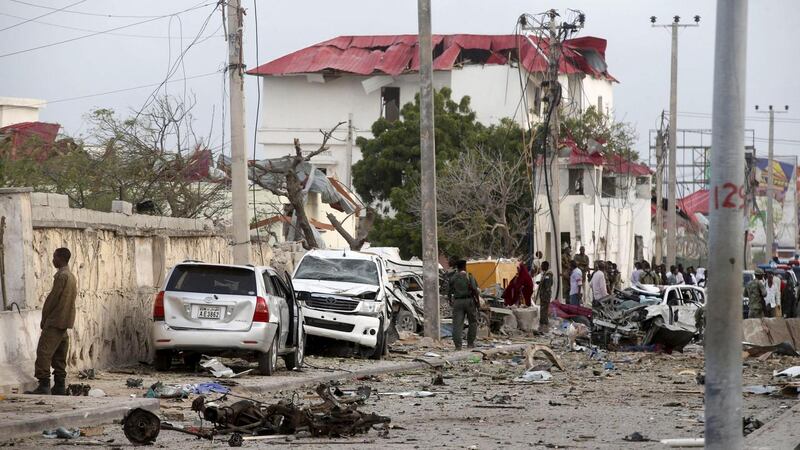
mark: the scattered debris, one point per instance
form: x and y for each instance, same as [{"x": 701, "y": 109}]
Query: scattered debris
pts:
[
  {"x": 160, "y": 390},
  {"x": 207, "y": 388},
  {"x": 432, "y": 355},
  {"x": 132, "y": 383},
  {"x": 413, "y": 394},
  {"x": 499, "y": 399},
  {"x": 438, "y": 377},
  {"x": 79, "y": 389},
  {"x": 220, "y": 370},
  {"x": 750, "y": 424},
  {"x": 636, "y": 437},
  {"x": 530, "y": 355},
  {"x": 684, "y": 442},
  {"x": 62, "y": 433},
  {"x": 87, "y": 374},
  {"x": 754, "y": 350},
  {"x": 791, "y": 372},
  {"x": 95, "y": 392},
  {"x": 766, "y": 390},
  {"x": 535, "y": 376}
]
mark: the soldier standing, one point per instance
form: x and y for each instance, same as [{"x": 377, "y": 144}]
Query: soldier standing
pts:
[
  {"x": 756, "y": 291},
  {"x": 544, "y": 293},
  {"x": 58, "y": 315},
  {"x": 648, "y": 276},
  {"x": 565, "y": 270},
  {"x": 463, "y": 294}
]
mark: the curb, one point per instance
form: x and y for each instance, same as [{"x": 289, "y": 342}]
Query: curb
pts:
[
  {"x": 780, "y": 433},
  {"x": 301, "y": 382},
  {"x": 81, "y": 417}
]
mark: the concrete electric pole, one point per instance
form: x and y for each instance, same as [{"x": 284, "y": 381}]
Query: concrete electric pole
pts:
[
  {"x": 240, "y": 216},
  {"x": 430, "y": 243},
  {"x": 659, "y": 244},
  {"x": 769, "y": 232},
  {"x": 672, "y": 218},
  {"x": 723, "y": 336}
]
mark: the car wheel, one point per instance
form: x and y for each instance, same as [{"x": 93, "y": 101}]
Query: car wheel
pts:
[
  {"x": 191, "y": 360},
  {"x": 380, "y": 346},
  {"x": 655, "y": 324},
  {"x": 295, "y": 360},
  {"x": 405, "y": 321},
  {"x": 163, "y": 360},
  {"x": 268, "y": 361}
]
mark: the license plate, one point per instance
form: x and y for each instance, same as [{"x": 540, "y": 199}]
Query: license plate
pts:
[{"x": 209, "y": 312}]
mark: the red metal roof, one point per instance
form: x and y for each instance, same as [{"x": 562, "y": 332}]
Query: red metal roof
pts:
[
  {"x": 396, "y": 54},
  {"x": 38, "y": 137},
  {"x": 610, "y": 163}
]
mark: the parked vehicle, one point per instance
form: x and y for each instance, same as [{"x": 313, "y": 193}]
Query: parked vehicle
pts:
[
  {"x": 344, "y": 295},
  {"x": 406, "y": 301},
  {"x": 221, "y": 309}
]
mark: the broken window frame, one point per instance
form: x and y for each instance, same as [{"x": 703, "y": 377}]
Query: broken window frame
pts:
[{"x": 392, "y": 115}]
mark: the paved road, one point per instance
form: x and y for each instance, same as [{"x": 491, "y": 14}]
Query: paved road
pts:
[{"x": 585, "y": 406}]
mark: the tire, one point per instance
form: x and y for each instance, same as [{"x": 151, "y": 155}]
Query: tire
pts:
[
  {"x": 295, "y": 360},
  {"x": 380, "y": 347},
  {"x": 163, "y": 360},
  {"x": 652, "y": 330},
  {"x": 405, "y": 321},
  {"x": 268, "y": 361}
]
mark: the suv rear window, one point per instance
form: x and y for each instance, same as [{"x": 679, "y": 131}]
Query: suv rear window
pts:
[{"x": 213, "y": 280}]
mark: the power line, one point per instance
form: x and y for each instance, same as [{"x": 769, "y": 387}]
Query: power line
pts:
[
  {"x": 39, "y": 17},
  {"x": 52, "y": 44},
  {"x": 89, "y": 30},
  {"x": 83, "y": 13}
]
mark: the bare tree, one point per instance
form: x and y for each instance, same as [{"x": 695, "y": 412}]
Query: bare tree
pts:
[
  {"x": 291, "y": 186},
  {"x": 479, "y": 197}
]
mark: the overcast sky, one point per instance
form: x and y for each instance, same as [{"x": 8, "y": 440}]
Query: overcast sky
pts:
[{"x": 638, "y": 55}]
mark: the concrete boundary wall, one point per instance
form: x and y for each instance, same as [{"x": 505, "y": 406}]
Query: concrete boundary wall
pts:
[{"x": 120, "y": 261}]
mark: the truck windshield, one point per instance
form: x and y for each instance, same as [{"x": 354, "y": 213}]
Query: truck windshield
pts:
[{"x": 361, "y": 271}]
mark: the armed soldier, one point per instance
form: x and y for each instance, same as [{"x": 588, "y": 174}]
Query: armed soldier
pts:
[{"x": 756, "y": 292}]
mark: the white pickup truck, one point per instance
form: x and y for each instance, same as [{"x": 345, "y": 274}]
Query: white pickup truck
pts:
[{"x": 344, "y": 296}]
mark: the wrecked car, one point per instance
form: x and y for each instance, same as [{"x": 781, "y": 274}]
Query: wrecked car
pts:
[
  {"x": 344, "y": 296},
  {"x": 222, "y": 309},
  {"x": 649, "y": 315},
  {"x": 407, "y": 301}
]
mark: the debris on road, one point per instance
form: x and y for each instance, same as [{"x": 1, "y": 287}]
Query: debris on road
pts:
[
  {"x": 132, "y": 383},
  {"x": 636, "y": 437},
  {"x": 220, "y": 370},
  {"x": 160, "y": 390},
  {"x": 413, "y": 394},
  {"x": 336, "y": 416},
  {"x": 62, "y": 433},
  {"x": 755, "y": 351},
  {"x": 791, "y": 372},
  {"x": 79, "y": 389},
  {"x": 535, "y": 376},
  {"x": 531, "y": 352},
  {"x": 87, "y": 374},
  {"x": 96, "y": 393}
]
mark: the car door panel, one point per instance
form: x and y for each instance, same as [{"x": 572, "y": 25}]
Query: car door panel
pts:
[{"x": 283, "y": 308}]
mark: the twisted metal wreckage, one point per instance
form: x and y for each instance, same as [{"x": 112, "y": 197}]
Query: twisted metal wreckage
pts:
[{"x": 247, "y": 419}]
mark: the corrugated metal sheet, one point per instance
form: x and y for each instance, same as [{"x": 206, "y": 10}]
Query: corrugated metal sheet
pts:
[{"x": 396, "y": 54}]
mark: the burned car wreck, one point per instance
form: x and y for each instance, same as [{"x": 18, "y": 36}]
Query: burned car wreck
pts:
[{"x": 646, "y": 317}]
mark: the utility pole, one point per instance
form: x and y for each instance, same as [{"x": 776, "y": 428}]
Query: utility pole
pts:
[
  {"x": 430, "y": 243},
  {"x": 723, "y": 337},
  {"x": 672, "y": 218},
  {"x": 769, "y": 250},
  {"x": 659, "y": 250},
  {"x": 553, "y": 103},
  {"x": 556, "y": 31},
  {"x": 349, "y": 150},
  {"x": 240, "y": 218}
]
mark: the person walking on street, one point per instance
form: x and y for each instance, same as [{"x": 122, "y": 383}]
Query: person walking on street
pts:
[
  {"x": 598, "y": 282},
  {"x": 58, "y": 315},
  {"x": 464, "y": 297},
  {"x": 756, "y": 292},
  {"x": 544, "y": 293},
  {"x": 575, "y": 283}
]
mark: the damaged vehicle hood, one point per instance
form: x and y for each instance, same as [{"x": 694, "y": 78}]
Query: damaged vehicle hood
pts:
[{"x": 333, "y": 287}]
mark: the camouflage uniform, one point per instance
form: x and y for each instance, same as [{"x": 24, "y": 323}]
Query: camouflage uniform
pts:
[{"x": 756, "y": 291}]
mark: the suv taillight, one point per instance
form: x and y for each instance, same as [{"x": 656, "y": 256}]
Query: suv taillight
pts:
[
  {"x": 158, "y": 306},
  {"x": 261, "y": 314}
]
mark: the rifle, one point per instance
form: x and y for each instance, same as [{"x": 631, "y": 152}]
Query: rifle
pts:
[{"x": 476, "y": 297}]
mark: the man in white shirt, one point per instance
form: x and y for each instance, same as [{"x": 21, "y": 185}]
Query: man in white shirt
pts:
[
  {"x": 598, "y": 282},
  {"x": 773, "y": 298},
  {"x": 575, "y": 282}
]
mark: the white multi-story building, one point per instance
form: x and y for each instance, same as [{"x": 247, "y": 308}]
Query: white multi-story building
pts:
[
  {"x": 15, "y": 110},
  {"x": 362, "y": 78}
]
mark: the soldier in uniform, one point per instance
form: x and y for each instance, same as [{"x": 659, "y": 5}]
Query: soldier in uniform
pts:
[
  {"x": 544, "y": 293},
  {"x": 582, "y": 259},
  {"x": 648, "y": 276},
  {"x": 463, "y": 294},
  {"x": 565, "y": 271},
  {"x": 756, "y": 292}
]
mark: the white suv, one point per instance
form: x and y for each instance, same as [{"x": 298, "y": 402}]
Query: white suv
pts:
[
  {"x": 222, "y": 309},
  {"x": 344, "y": 297}
]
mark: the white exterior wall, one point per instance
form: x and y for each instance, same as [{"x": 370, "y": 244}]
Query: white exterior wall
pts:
[
  {"x": 494, "y": 92},
  {"x": 605, "y": 226},
  {"x": 18, "y": 110}
]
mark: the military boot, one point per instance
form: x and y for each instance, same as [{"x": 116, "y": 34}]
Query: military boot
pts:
[
  {"x": 42, "y": 389},
  {"x": 59, "y": 386}
]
